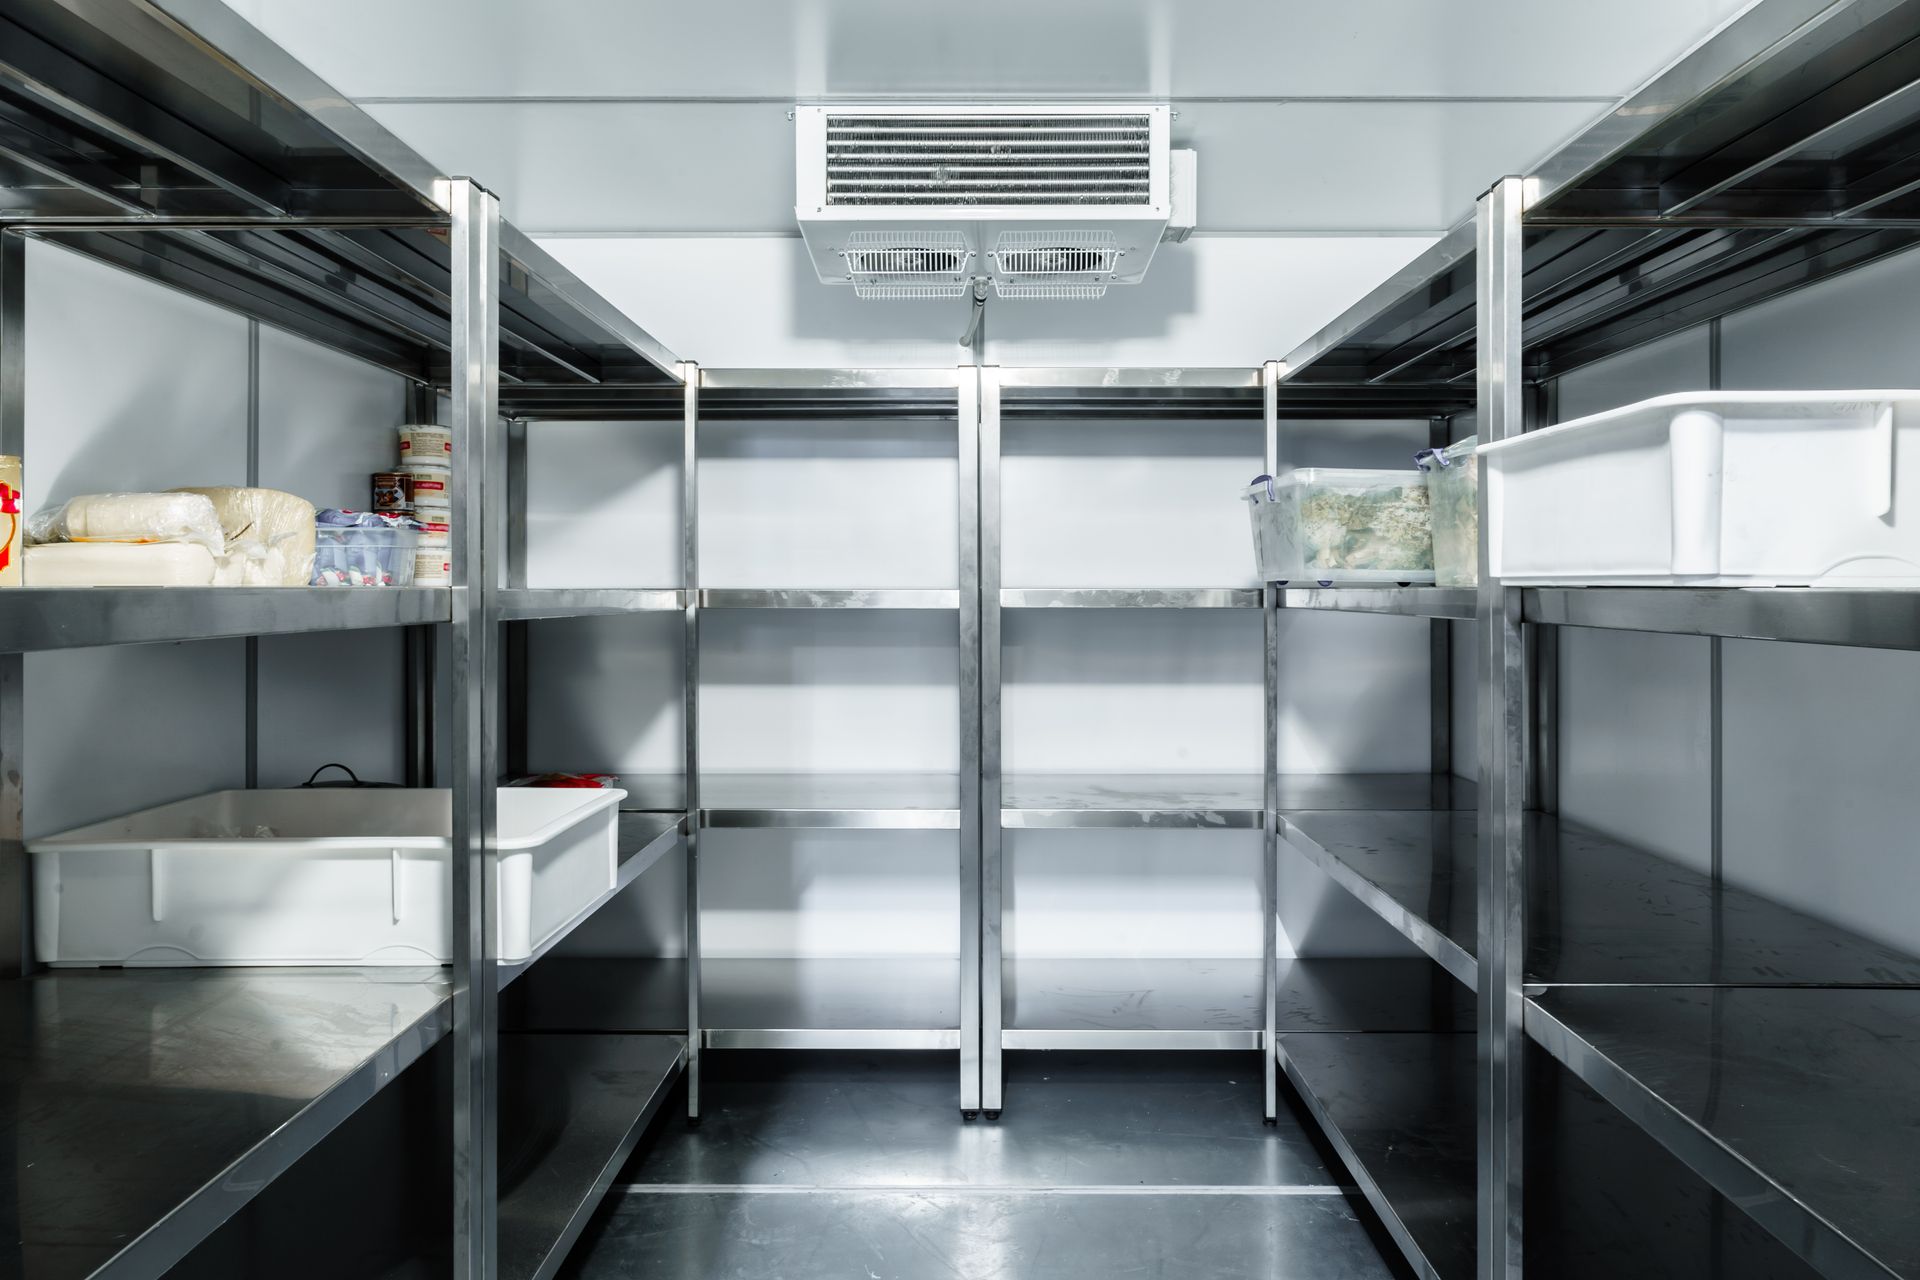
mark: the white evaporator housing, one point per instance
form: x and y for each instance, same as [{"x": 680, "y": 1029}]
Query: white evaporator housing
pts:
[{"x": 1055, "y": 201}]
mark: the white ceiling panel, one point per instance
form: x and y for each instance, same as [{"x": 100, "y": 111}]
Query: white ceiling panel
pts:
[
  {"x": 990, "y": 48},
  {"x": 703, "y": 168}
]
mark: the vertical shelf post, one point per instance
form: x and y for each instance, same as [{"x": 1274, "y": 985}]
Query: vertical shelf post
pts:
[
  {"x": 690, "y": 577},
  {"x": 1503, "y": 763},
  {"x": 992, "y": 860},
  {"x": 972, "y": 816},
  {"x": 1270, "y": 771},
  {"x": 1439, "y": 659},
  {"x": 474, "y": 241},
  {"x": 16, "y": 931}
]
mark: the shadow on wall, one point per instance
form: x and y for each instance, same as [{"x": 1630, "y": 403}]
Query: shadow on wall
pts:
[{"x": 1144, "y": 310}]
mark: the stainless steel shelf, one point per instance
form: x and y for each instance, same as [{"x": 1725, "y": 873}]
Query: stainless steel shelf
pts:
[
  {"x": 1199, "y": 800},
  {"x": 828, "y": 598},
  {"x": 1865, "y": 619},
  {"x": 892, "y": 801},
  {"x": 1455, "y": 603},
  {"x": 1600, "y": 911},
  {"x": 522, "y": 604},
  {"x": 1797, "y": 1105},
  {"x": 37, "y": 618},
  {"x": 1759, "y": 163},
  {"x": 644, "y": 838},
  {"x": 1398, "y": 1108},
  {"x": 142, "y": 1108},
  {"x": 1413, "y": 869},
  {"x": 881, "y": 801},
  {"x": 1208, "y": 1004},
  {"x": 1130, "y": 597},
  {"x": 1132, "y": 1004},
  {"x": 751, "y": 1004},
  {"x": 605, "y": 1089}
]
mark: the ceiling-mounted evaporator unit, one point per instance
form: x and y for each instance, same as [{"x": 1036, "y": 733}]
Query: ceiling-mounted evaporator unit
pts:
[{"x": 1056, "y": 201}]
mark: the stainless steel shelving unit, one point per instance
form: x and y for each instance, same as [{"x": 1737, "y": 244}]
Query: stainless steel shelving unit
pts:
[
  {"x": 170, "y": 139},
  {"x": 1749, "y": 1041}
]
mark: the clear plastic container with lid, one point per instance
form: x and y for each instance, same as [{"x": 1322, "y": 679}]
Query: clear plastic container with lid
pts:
[
  {"x": 1453, "y": 491},
  {"x": 1333, "y": 525}
]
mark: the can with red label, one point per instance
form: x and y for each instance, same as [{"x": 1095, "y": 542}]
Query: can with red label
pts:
[
  {"x": 13, "y": 518},
  {"x": 433, "y": 555},
  {"x": 393, "y": 492}
]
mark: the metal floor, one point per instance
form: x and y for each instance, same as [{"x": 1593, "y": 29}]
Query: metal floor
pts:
[{"x": 1137, "y": 1165}]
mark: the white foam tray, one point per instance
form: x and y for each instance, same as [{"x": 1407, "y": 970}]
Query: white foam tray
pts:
[{"x": 347, "y": 876}]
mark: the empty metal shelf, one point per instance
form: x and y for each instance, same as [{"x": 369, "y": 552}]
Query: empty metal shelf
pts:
[
  {"x": 829, "y": 598},
  {"x": 1201, "y": 800},
  {"x": 1413, "y": 602},
  {"x": 1158, "y": 1003},
  {"x": 590, "y": 1097},
  {"x": 1867, "y": 619},
  {"x": 881, "y": 801},
  {"x": 881, "y": 1003},
  {"x": 1130, "y": 598},
  {"x": 1600, "y": 911},
  {"x": 1398, "y": 1107},
  {"x": 143, "y": 1107},
  {"x": 1798, "y": 1105},
  {"x": 522, "y": 604}
]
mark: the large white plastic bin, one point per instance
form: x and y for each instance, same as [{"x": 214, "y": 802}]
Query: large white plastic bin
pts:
[
  {"x": 311, "y": 876},
  {"x": 1729, "y": 488},
  {"x": 1341, "y": 525}
]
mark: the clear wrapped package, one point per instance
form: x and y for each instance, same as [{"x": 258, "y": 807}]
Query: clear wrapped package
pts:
[
  {"x": 1453, "y": 491},
  {"x": 269, "y": 537},
  {"x": 131, "y": 517},
  {"x": 1326, "y": 525}
]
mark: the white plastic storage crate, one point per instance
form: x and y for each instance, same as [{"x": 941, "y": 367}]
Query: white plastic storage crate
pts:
[
  {"x": 357, "y": 876},
  {"x": 1329, "y": 525},
  {"x": 1730, "y": 488}
]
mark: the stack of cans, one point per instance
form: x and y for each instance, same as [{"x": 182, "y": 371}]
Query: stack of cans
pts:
[{"x": 422, "y": 487}]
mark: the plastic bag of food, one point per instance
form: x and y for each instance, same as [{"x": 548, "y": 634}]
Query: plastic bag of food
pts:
[
  {"x": 269, "y": 535},
  {"x": 131, "y": 517}
]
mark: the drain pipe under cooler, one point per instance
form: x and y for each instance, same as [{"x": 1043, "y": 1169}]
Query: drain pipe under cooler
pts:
[{"x": 976, "y": 319}]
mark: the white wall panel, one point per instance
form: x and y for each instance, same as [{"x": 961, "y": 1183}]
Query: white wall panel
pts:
[
  {"x": 326, "y": 423},
  {"x": 1127, "y": 504},
  {"x": 858, "y": 504},
  {"x": 129, "y": 386},
  {"x": 829, "y": 691},
  {"x": 603, "y": 504},
  {"x": 605, "y": 695},
  {"x": 755, "y": 303}
]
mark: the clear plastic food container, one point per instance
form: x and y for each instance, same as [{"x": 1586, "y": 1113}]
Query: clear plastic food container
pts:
[
  {"x": 1328, "y": 526},
  {"x": 363, "y": 549},
  {"x": 1453, "y": 492}
]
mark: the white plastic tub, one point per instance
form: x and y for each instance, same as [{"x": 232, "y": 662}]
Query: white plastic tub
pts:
[
  {"x": 1731, "y": 488},
  {"x": 321, "y": 876},
  {"x": 1328, "y": 525}
]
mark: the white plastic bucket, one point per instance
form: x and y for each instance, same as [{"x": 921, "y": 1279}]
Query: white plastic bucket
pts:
[{"x": 426, "y": 442}]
